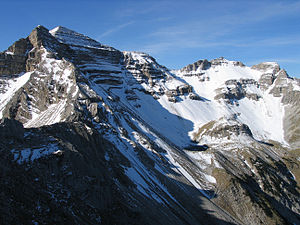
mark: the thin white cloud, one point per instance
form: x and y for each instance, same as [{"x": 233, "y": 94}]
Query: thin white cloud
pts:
[
  {"x": 277, "y": 60},
  {"x": 190, "y": 42},
  {"x": 288, "y": 60},
  {"x": 285, "y": 63},
  {"x": 114, "y": 29},
  {"x": 208, "y": 31}
]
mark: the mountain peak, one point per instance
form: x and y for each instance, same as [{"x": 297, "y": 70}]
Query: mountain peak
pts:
[
  {"x": 73, "y": 38},
  {"x": 61, "y": 29},
  {"x": 267, "y": 67},
  {"x": 40, "y": 37},
  {"x": 40, "y": 27}
]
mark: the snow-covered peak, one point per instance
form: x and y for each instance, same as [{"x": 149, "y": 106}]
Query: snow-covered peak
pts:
[
  {"x": 63, "y": 30},
  {"x": 70, "y": 37},
  {"x": 139, "y": 63},
  {"x": 141, "y": 57},
  {"x": 215, "y": 74},
  {"x": 220, "y": 61},
  {"x": 204, "y": 64}
]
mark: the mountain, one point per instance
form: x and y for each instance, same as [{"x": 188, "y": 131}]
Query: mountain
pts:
[{"x": 93, "y": 135}]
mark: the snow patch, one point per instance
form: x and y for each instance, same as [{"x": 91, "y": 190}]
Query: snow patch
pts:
[
  {"x": 50, "y": 116},
  {"x": 31, "y": 154},
  {"x": 13, "y": 85}
]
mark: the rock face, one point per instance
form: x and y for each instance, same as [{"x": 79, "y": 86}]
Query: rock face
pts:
[
  {"x": 13, "y": 61},
  {"x": 201, "y": 65},
  {"x": 236, "y": 90},
  {"x": 93, "y": 135}
]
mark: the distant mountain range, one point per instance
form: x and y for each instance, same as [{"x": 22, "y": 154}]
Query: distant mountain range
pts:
[{"x": 94, "y": 135}]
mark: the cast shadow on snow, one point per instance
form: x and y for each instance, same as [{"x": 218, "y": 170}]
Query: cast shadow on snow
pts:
[
  {"x": 195, "y": 209},
  {"x": 170, "y": 125},
  {"x": 173, "y": 129},
  {"x": 195, "y": 205},
  {"x": 201, "y": 98}
]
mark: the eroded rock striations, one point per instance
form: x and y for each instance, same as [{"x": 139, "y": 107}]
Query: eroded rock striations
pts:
[{"x": 93, "y": 135}]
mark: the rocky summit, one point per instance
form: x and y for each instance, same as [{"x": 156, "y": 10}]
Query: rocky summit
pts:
[{"x": 93, "y": 135}]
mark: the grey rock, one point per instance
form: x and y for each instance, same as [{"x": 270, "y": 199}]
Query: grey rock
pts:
[
  {"x": 13, "y": 60},
  {"x": 266, "y": 66},
  {"x": 200, "y": 64},
  {"x": 236, "y": 90}
]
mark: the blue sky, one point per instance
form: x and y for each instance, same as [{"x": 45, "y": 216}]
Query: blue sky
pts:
[{"x": 176, "y": 33}]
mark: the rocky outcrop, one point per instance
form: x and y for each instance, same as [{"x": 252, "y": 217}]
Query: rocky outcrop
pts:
[
  {"x": 143, "y": 67},
  {"x": 199, "y": 65},
  {"x": 44, "y": 93},
  {"x": 281, "y": 84},
  {"x": 44, "y": 43},
  {"x": 235, "y": 90},
  {"x": 13, "y": 60},
  {"x": 267, "y": 66},
  {"x": 291, "y": 124},
  {"x": 222, "y": 129},
  {"x": 266, "y": 80},
  {"x": 11, "y": 64},
  {"x": 270, "y": 71}
]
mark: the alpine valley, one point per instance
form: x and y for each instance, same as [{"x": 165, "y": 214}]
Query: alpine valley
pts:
[{"x": 93, "y": 135}]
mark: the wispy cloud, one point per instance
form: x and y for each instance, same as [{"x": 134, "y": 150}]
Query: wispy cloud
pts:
[
  {"x": 271, "y": 59},
  {"x": 213, "y": 30},
  {"x": 290, "y": 64},
  {"x": 114, "y": 29},
  {"x": 287, "y": 60}
]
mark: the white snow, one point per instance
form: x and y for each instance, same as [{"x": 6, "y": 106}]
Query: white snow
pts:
[
  {"x": 293, "y": 176},
  {"x": 217, "y": 76},
  {"x": 58, "y": 152},
  {"x": 50, "y": 116},
  {"x": 9, "y": 53},
  {"x": 250, "y": 167},
  {"x": 139, "y": 56},
  {"x": 201, "y": 156},
  {"x": 296, "y": 85},
  {"x": 13, "y": 86},
  {"x": 210, "y": 178},
  {"x": 264, "y": 117},
  {"x": 31, "y": 154},
  {"x": 61, "y": 73},
  {"x": 70, "y": 37},
  {"x": 179, "y": 168}
]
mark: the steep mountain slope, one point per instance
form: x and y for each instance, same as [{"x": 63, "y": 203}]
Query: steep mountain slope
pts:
[{"x": 114, "y": 137}]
